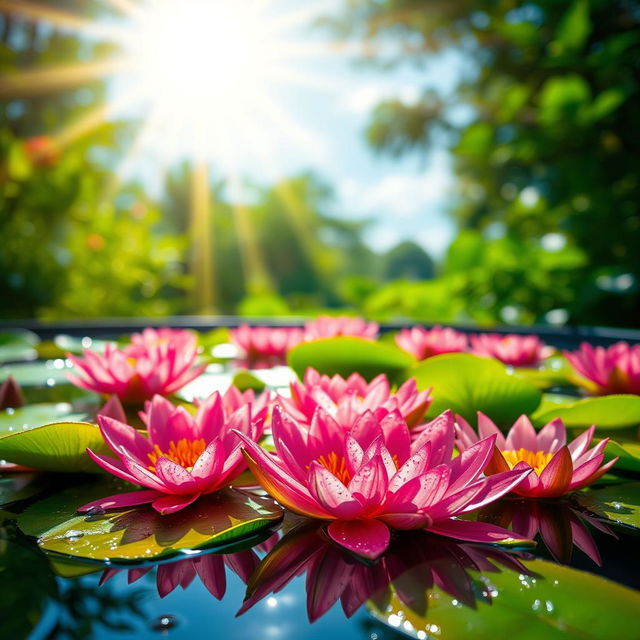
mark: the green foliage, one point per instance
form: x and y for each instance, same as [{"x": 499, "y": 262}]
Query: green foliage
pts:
[
  {"x": 607, "y": 412},
  {"x": 549, "y": 146}
]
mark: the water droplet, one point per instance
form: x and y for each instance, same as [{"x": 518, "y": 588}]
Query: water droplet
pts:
[
  {"x": 616, "y": 506},
  {"x": 51, "y": 382},
  {"x": 72, "y": 535},
  {"x": 10, "y": 411},
  {"x": 164, "y": 622},
  {"x": 25, "y": 426}
]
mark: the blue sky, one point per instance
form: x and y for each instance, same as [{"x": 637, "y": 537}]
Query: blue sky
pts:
[{"x": 405, "y": 198}]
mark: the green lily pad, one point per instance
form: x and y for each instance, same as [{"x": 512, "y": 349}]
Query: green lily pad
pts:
[
  {"x": 245, "y": 380},
  {"x": 34, "y": 415},
  {"x": 628, "y": 454},
  {"x": 346, "y": 355},
  {"x": 553, "y": 372},
  {"x": 554, "y": 602},
  {"x": 140, "y": 534},
  {"x": 45, "y": 373},
  {"x": 619, "y": 503},
  {"x": 74, "y": 344},
  {"x": 466, "y": 384},
  {"x": 59, "y": 446},
  {"x": 606, "y": 412},
  {"x": 18, "y": 345}
]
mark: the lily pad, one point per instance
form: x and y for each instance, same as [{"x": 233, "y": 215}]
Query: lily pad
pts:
[
  {"x": 553, "y": 372},
  {"x": 606, "y": 412},
  {"x": 619, "y": 503},
  {"x": 466, "y": 384},
  {"x": 628, "y": 454},
  {"x": 134, "y": 535},
  {"x": 17, "y": 345},
  {"x": 34, "y": 415},
  {"x": 346, "y": 355},
  {"x": 74, "y": 344},
  {"x": 59, "y": 446},
  {"x": 245, "y": 380},
  {"x": 544, "y": 604}
]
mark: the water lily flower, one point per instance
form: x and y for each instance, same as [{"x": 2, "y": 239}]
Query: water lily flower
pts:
[
  {"x": 182, "y": 458},
  {"x": 344, "y": 400},
  {"x": 560, "y": 525},
  {"x": 415, "y": 562},
  {"x": 371, "y": 478},
  {"x": 511, "y": 349},
  {"x": 333, "y": 326},
  {"x": 156, "y": 362},
  {"x": 557, "y": 468},
  {"x": 263, "y": 347},
  {"x": 424, "y": 343},
  {"x": 605, "y": 370},
  {"x": 210, "y": 568}
]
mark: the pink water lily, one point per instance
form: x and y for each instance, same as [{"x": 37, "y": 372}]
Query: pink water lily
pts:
[
  {"x": 182, "y": 458},
  {"x": 557, "y": 468},
  {"x": 333, "y": 326},
  {"x": 210, "y": 568},
  {"x": 414, "y": 563},
  {"x": 371, "y": 478},
  {"x": 605, "y": 370},
  {"x": 511, "y": 349},
  {"x": 344, "y": 400},
  {"x": 155, "y": 362},
  {"x": 425, "y": 343},
  {"x": 265, "y": 346}
]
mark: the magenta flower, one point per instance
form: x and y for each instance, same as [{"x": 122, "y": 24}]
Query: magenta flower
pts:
[
  {"x": 371, "y": 478},
  {"x": 210, "y": 568},
  {"x": 604, "y": 370},
  {"x": 183, "y": 458},
  {"x": 345, "y": 400},
  {"x": 424, "y": 343},
  {"x": 512, "y": 349},
  {"x": 557, "y": 468},
  {"x": 263, "y": 347},
  {"x": 156, "y": 362},
  {"x": 333, "y": 326}
]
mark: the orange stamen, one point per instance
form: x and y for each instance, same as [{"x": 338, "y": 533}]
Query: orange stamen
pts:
[
  {"x": 337, "y": 466},
  {"x": 536, "y": 459},
  {"x": 184, "y": 452}
]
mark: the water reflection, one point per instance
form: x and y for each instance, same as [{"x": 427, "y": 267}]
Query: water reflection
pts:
[
  {"x": 413, "y": 565},
  {"x": 561, "y": 525}
]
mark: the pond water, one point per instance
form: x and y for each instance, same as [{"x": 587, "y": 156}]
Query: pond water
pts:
[{"x": 137, "y": 574}]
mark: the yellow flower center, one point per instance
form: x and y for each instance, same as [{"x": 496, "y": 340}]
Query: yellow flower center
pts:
[
  {"x": 184, "y": 452},
  {"x": 337, "y": 465},
  {"x": 536, "y": 459}
]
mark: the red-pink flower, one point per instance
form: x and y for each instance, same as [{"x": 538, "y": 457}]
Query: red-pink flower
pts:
[
  {"x": 371, "y": 478},
  {"x": 558, "y": 468},
  {"x": 265, "y": 346},
  {"x": 604, "y": 370},
  {"x": 333, "y": 326},
  {"x": 182, "y": 458},
  {"x": 345, "y": 400},
  {"x": 424, "y": 343},
  {"x": 156, "y": 362},
  {"x": 512, "y": 349}
]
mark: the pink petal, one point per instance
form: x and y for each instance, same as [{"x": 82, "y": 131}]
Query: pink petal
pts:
[
  {"x": 113, "y": 466},
  {"x": 472, "y": 531},
  {"x": 471, "y": 463},
  {"x": 176, "y": 478},
  {"x": 369, "y": 484},
  {"x": 331, "y": 493},
  {"x": 486, "y": 428},
  {"x": 578, "y": 446},
  {"x": 412, "y": 468},
  {"x": 555, "y": 478},
  {"x": 121, "y": 501},
  {"x": 368, "y": 538},
  {"x": 158, "y": 414},
  {"x": 168, "y": 504},
  {"x": 209, "y": 463},
  {"x": 117, "y": 434},
  {"x": 113, "y": 409},
  {"x": 552, "y": 436},
  {"x": 210, "y": 418},
  {"x": 210, "y": 568},
  {"x": 521, "y": 436},
  {"x": 441, "y": 433}
]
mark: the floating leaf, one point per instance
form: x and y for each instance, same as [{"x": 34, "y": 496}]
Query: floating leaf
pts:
[
  {"x": 608, "y": 412},
  {"x": 619, "y": 503},
  {"x": 467, "y": 384},
  {"x": 59, "y": 446},
  {"x": 245, "y": 380},
  {"x": 554, "y": 602},
  {"x": 346, "y": 355},
  {"x": 553, "y": 372},
  {"x": 34, "y": 415},
  {"x": 74, "y": 344},
  {"x": 628, "y": 453},
  {"x": 140, "y": 534},
  {"x": 16, "y": 345}
]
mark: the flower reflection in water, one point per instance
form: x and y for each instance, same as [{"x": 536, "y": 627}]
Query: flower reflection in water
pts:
[
  {"x": 560, "y": 524},
  {"x": 415, "y": 562}
]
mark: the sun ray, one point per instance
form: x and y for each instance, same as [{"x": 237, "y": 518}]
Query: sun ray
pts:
[
  {"x": 36, "y": 12},
  {"x": 34, "y": 82}
]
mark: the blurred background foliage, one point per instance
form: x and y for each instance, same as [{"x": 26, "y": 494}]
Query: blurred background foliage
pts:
[{"x": 544, "y": 133}]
